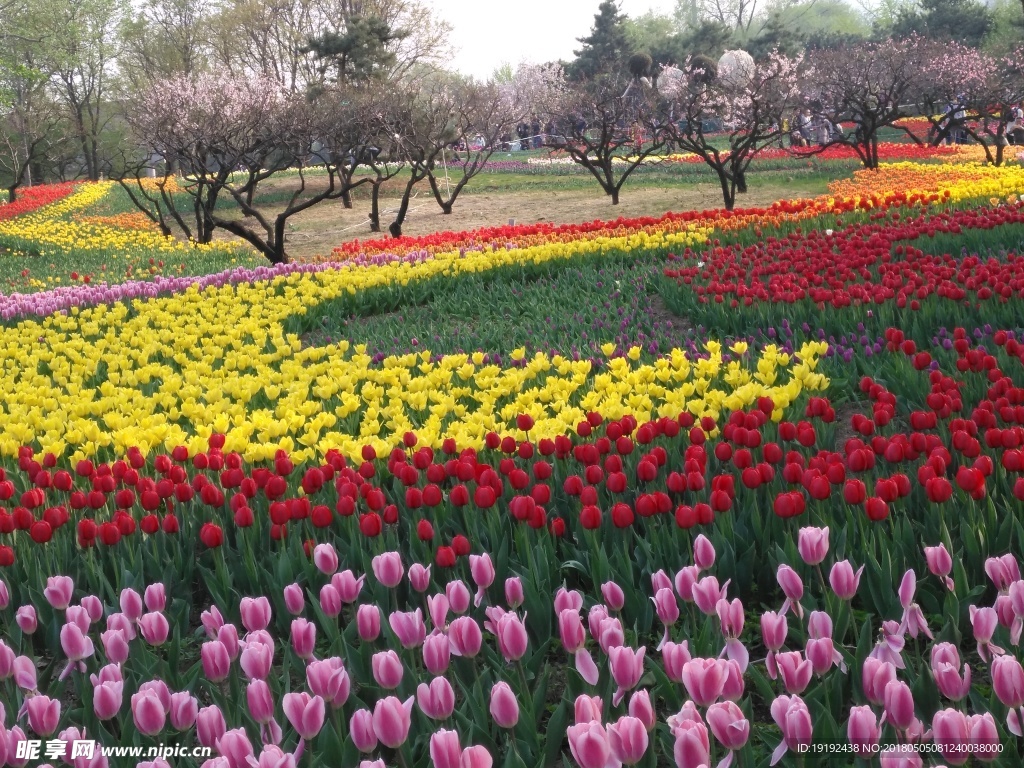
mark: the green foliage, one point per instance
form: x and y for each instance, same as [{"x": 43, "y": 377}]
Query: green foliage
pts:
[
  {"x": 710, "y": 38},
  {"x": 361, "y": 52},
  {"x": 963, "y": 21},
  {"x": 606, "y": 49}
]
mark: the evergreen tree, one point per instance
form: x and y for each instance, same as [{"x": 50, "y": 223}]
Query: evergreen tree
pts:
[
  {"x": 963, "y": 21},
  {"x": 606, "y": 49},
  {"x": 360, "y": 52}
]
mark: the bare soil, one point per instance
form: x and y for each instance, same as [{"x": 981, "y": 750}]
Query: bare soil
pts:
[{"x": 317, "y": 231}]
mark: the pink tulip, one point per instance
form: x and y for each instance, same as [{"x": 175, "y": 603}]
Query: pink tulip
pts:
[
  {"x": 571, "y": 631},
  {"x": 273, "y": 756},
  {"x": 330, "y": 600},
  {"x": 794, "y": 720},
  {"x": 792, "y": 587},
  {"x": 437, "y": 607},
  {"x": 730, "y": 617},
  {"x": 1003, "y": 571},
  {"x": 774, "y": 629},
  {"x": 875, "y": 676},
  {"x": 512, "y": 639},
  {"x": 388, "y": 569},
  {"x": 362, "y": 732},
  {"x": 704, "y": 680},
  {"x": 660, "y": 580},
  {"x": 913, "y": 621},
  {"x": 946, "y": 670},
  {"x": 685, "y": 580},
  {"x": 76, "y": 644},
  {"x": 26, "y": 619},
  {"x": 613, "y": 596},
  {"x": 216, "y": 662},
  {"x": 627, "y": 667},
  {"x": 228, "y": 636},
  {"x": 863, "y": 732},
  {"x": 325, "y": 558},
  {"x": 795, "y": 671},
  {"x": 210, "y": 725},
  {"x": 587, "y": 708},
  {"x": 1016, "y": 605},
  {"x": 77, "y": 615},
  {"x": 260, "y": 700},
  {"x": 235, "y": 747},
  {"x": 900, "y": 756},
  {"x": 729, "y": 726},
  {"x": 476, "y": 757},
  {"x": 465, "y": 637},
  {"x": 107, "y": 698},
  {"x": 482, "y": 569},
  {"x": 419, "y": 577},
  {"x": 940, "y": 563},
  {"x": 372, "y": 764},
  {"x": 890, "y": 647},
  {"x": 610, "y": 634},
  {"x": 1008, "y": 684},
  {"x": 641, "y": 707},
  {"x": 163, "y": 693},
  {"x": 115, "y": 646},
  {"x": 303, "y": 638},
  {"x": 93, "y": 607},
  {"x": 348, "y": 586},
  {"x": 984, "y": 622},
  {"x": 812, "y": 544},
  {"x": 391, "y": 720},
  {"x": 5, "y": 595},
  {"x": 597, "y": 614},
  {"x": 408, "y": 627},
  {"x": 58, "y": 592},
  {"x": 211, "y": 619},
  {"x": 43, "y": 714},
  {"x": 256, "y": 660},
  {"x": 667, "y": 608},
  {"x": 437, "y": 700},
  {"x": 951, "y": 734},
  {"x": 255, "y": 613},
  {"x": 458, "y": 596},
  {"x": 6, "y": 661},
  {"x": 329, "y": 680},
  {"x": 436, "y": 653},
  {"x": 984, "y": 737},
  {"x": 692, "y": 747},
  {"x": 629, "y": 740},
  {"x": 14, "y": 739},
  {"x": 821, "y": 653},
  {"x": 445, "y": 750},
  {"x": 590, "y": 745},
  {"x": 514, "y": 596},
  {"x": 707, "y": 593},
  {"x": 122, "y": 622},
  {"x": 732, "y": 689},
  {"x": 387, "y": 669},
  {"x": 305, "y": 713},
  {"x": 184, "y": 709},
  {"x": 504, "y": 707},
  {"x": 703, "y": 552},
  {"x": 24, "y": 670},
  {"x": 154, "y": 628},
  {"x": 156, "y": 597},
  {"x": 674, "y": 657},
  {"x": 148, "y": 712},
  {"x": 294, "y": 600},
  {"x": 368, "y": 622},
  {"x": 899, "y": 704}
]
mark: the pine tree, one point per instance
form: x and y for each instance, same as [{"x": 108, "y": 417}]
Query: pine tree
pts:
[{"x": 606, "y": 49}]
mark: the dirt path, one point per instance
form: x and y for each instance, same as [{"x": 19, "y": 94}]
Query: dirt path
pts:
[{"x": 323, "y": 227}]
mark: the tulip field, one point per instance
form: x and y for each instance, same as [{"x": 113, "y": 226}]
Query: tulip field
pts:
[{"x": 711, "y": 489}]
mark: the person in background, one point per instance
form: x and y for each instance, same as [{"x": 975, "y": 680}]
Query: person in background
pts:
[
  {"x": 535, "y": 128},
  {"x": 523, "y": 131}
]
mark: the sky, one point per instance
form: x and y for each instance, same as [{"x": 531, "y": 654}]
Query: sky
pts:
[{"x": 486, "y": 34}]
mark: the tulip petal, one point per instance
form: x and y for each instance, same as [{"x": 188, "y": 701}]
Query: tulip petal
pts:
[
  {"x": 587, "y": 667},
  {"x": 1013, "y": 723},
  {"x": 727, "y": 761},
  {"x": 779, "y": 752},
  {"x": 737, "y": 651}
]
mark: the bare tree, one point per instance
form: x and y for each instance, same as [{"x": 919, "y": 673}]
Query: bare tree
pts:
[
  {"x": 869, "y": 85},
  {"x": 230, "y": 135},
  {"x": 609, "y": 126},
  {"x": 744, "y": 105}
]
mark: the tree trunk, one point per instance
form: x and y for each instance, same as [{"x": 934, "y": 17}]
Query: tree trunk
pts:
[
  {"x": 12, "y": 193},
  {"x": 375, "y": 207},
  {"x": 615, "y": 195},
  {"x": 346, "y": 199}
]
